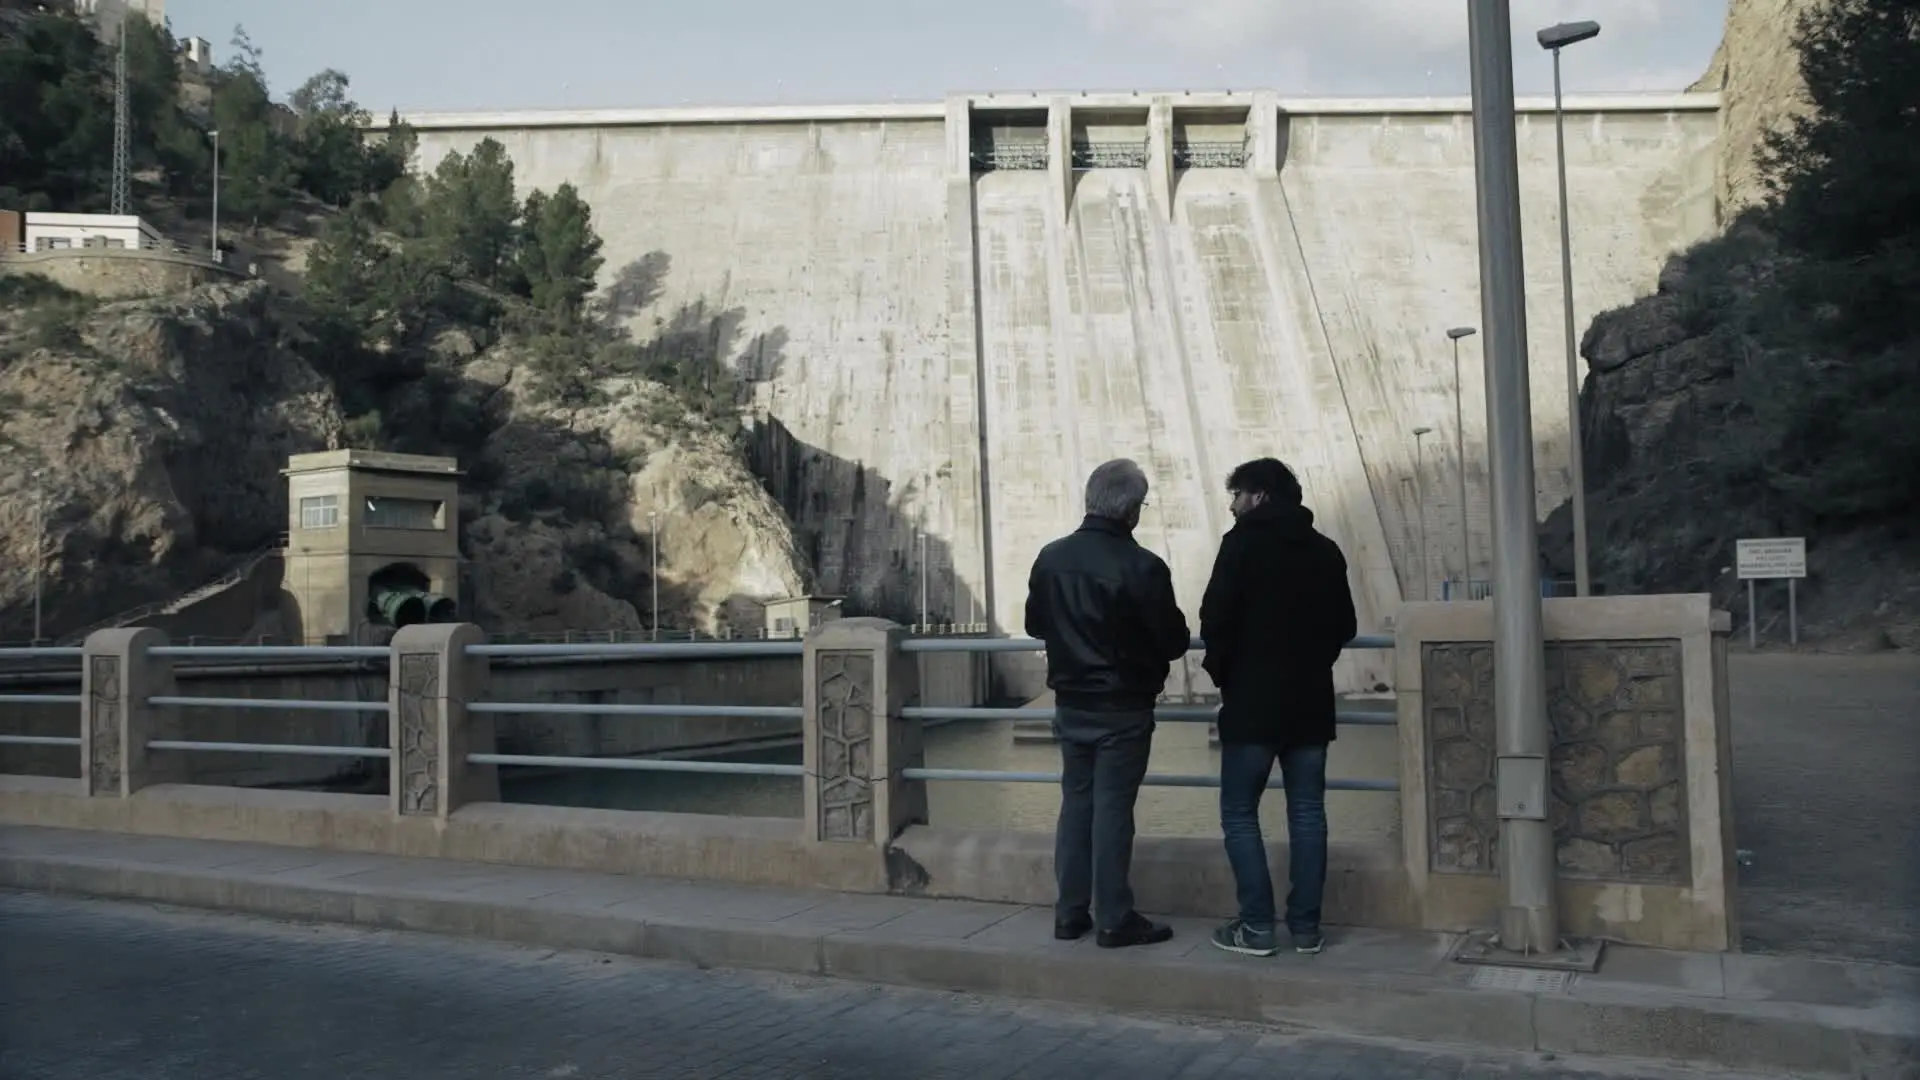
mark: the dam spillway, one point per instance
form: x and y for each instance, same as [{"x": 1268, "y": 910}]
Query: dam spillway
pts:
[{"x": 951, "y": 312}]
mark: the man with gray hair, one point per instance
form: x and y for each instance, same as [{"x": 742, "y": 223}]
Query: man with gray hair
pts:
[{"x": 1104, "y": 606}]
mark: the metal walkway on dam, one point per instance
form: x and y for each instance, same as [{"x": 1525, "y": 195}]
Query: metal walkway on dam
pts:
[{"x": 956, "y": 310}]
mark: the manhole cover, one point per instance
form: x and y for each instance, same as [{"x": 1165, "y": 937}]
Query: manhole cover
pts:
[{"x": 1524, "y": 980}]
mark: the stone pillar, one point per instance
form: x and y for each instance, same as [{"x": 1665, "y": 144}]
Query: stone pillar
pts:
[
  {"x": 1060, "y": 152},
  {"x": 857, "y": 682},
  {"x": 432, "y": 680},
  {"x": 118, "y": 674},
  {"x": 1160, "y": 154}
]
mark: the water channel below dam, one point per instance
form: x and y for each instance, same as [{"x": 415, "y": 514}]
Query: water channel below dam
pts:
[{"x": 1178, "y": 748}]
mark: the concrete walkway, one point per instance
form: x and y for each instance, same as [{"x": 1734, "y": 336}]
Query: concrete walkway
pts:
[{"x": 1777, "y": 1013}]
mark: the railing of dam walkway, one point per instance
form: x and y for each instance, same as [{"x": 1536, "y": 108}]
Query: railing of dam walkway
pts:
[
  {"x": 635, "y": 651},
  {"x": 40, "y": 652}
]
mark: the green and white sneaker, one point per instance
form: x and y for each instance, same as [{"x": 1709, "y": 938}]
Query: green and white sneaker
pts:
[{"x": 1238, "y": 937}]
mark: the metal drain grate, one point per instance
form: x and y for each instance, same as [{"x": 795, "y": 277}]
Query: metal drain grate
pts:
[{"x": 1523, "y": 980}]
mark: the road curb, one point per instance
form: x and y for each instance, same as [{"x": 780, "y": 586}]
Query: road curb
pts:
[{"x": 1869, "y": 1043}]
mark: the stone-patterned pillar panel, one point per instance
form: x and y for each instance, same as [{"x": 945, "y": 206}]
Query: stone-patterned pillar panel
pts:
[
  {"x": 1638, "y": 770},
  {"x": 857, "y": 681},
  {"x": 432, "y": 680},
  {"x": 117, "y": 677}
]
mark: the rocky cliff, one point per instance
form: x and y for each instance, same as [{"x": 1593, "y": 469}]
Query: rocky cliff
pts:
[
  {"x": 1698, "y": 411},
  {"x": 1757, "y": 72},
  {"x": 143, "y": 441},
  {"x": 590, "y": 497},
  {"x": 147, "y": 435}
]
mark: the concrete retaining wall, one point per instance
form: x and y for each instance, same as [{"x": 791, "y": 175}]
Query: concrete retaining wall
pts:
[{"x": 117, "y": 274}]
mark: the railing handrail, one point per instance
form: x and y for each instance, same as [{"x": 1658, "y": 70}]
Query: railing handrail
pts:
[
  {"x": 664, "y": 650},
  {"x": 697, "y": 649},
  {"x": 233, "y": 576}
]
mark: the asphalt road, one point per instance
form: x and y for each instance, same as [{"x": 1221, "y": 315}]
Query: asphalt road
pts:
[{"x": 92, "y": 990}]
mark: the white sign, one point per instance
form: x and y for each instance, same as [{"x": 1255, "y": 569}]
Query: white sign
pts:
[{"x": 1782, "y": 557}]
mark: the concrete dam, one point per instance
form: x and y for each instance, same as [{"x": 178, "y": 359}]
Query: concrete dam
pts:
[{"x": 949, "y": 313}]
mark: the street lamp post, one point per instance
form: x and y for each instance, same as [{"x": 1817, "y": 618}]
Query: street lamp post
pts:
[
  {"x": 1529, "y": 918},
  {"x": 39, "y": 544},
  {"x": 1460, "y": 455},
  {"x": 1553, "y": 39},
  {"x": 653, "y": 571},
  {"x": 215, "y": 239},
  {"x": 1420, "y": 499},
  {"x": 923, "y": 582}
]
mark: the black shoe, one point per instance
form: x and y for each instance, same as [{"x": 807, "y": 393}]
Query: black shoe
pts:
[
  {"x": 1308, "y": 942},
  {"x": 1135, "y": 930},
  {"x": 1072, "y": 929}
]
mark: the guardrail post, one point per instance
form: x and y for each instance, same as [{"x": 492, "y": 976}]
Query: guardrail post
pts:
[
  {"x": 432, "y": 680},
  {"x": 857, "y": 681},
  {"x": 117, "y": 676}
]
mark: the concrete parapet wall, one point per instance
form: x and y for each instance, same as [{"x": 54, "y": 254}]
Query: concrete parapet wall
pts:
[{"x": 115, "y": 274}]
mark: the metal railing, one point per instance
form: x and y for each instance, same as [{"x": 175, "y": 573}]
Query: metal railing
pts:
[
  {"x": 1013, "y": 155},
  {"x": 96, "y": 245},
  {"x": 1210, "y": 155},
  {"x": 1110, "y": 155},
  {"x": 646, "y": 651}
]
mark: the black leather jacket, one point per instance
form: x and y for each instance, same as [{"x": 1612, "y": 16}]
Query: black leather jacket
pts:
[{"x": 1104, "y": 605}]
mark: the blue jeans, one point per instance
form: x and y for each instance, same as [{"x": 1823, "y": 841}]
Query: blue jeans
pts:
[{"x": 1244, "y": 771}]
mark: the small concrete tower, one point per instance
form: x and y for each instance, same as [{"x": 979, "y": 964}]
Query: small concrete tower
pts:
[{"x": 373, "y": 543}]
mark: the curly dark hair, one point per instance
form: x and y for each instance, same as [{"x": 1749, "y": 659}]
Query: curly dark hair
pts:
[{"x": 1267, "y": 476}]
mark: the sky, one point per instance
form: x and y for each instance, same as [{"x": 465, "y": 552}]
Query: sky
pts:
[{"x": 491, "y": 54}]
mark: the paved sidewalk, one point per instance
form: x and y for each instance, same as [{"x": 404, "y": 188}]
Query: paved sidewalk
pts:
[
  {"x": 95, "y": 990},
  {"x": 1742, "y": 1011}
]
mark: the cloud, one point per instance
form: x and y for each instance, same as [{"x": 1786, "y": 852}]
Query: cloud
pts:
[{"x": 1336, "y": 30}]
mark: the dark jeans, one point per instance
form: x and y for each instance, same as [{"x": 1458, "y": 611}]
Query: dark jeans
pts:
[
  {"x": 1103, "y": 758},
  {"x": 1244, "y": 771}
]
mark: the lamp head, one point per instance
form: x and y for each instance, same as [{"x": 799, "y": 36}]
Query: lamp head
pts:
[
  {"x": 1459, "y": 332},
  {"x": 1561, "y": 35}
]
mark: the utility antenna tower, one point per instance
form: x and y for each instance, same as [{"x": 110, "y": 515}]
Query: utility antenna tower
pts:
[{"x": 117, "y": 198}]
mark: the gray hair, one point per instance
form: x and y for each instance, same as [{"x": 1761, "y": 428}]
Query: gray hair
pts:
[{"x": 1116, "y": 489}]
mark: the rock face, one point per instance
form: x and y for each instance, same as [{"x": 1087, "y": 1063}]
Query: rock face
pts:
[
  {"x": 151, "y": 438},
  {"x": 1757, "y": 72},
  {"x": 155, "y": 431},
  {"x": 588, "y": 496},
  {"x": 1662, "y": 408}
]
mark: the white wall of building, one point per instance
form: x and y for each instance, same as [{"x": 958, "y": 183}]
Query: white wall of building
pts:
[{"x": 53, "y": 232}]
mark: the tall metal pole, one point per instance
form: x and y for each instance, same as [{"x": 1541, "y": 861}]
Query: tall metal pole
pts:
[
  {"x": 653, "y": 571},
  {"x": 1420, "y": 500},
  {"x": 215, "y": 240},
  {"x": 1529, "y": 921},
  {"x": 1460, "y": 459},
  {"x": 923, "y": 582},
  {"x": 1581, "y": 583},
  {"x": 39, "y": 544}
]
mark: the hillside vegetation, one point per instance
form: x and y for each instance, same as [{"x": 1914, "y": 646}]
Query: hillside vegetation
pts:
[
  {"x": 440, "y": 310},
  {"x": 1772, "y": 385}
]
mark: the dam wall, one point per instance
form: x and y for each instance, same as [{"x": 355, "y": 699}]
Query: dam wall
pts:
[{"x": 948, "y": 314}]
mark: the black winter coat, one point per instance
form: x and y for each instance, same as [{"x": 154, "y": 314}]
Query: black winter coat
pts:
[
  {"x": 1104, "y": 605},
  {"x": 1276, "y": 614}
]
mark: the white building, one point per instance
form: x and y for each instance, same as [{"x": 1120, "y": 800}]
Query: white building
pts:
[
  {"x": 59, "y": 232},
  {"x": 198, "y": 54}
]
